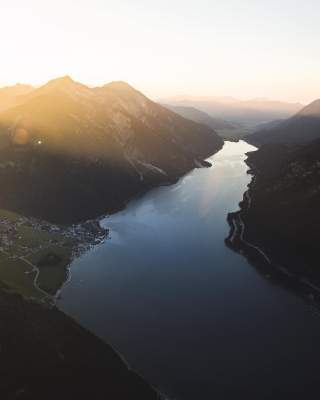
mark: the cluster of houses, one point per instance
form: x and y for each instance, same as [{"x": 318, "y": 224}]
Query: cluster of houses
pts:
[{"x": 83, "y": 235}]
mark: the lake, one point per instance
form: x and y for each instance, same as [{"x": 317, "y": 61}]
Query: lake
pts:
[{"x": 193, "y": 317}]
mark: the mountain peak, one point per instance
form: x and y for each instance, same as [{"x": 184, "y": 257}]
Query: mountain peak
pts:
[
  {"x": 120, "y": 86},
  {"x": 65, "y": 84},
  {"x": 63, "y": 80},
  {"x": 311, "y": 110}
]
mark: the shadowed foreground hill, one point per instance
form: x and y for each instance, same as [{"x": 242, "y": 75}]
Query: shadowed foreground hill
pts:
[
  {"x": 70, "y": 152},
  {"x": 46, "y": 355},
  {"x": 282, "y": 216}
]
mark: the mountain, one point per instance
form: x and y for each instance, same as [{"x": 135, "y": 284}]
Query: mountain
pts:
[
  {"x": 201, "y": 117},
  {"x": 12, "y": 95},
  {"x": 265, "y": 126},
  {"x": 272, "y": 106},
  {"x": 280, "y": 213},
  {"x": 248, "y": 113},
  {"x": 283, "y": 215},
  {"x": 69, "y": 152},
  {"x": 302, "y": 127}
]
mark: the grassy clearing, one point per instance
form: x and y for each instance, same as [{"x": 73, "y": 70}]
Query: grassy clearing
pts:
[
  {"x": 54, "y": 273},
  {"x": 16, "y": 277}
]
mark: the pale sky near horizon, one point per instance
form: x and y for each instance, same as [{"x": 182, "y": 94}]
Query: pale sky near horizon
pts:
[{"x": 240, "y": 48}]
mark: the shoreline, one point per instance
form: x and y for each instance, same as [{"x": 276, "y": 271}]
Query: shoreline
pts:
[
  {"x": 41, "y": 316},
  {"x": 43, "y": 313}
]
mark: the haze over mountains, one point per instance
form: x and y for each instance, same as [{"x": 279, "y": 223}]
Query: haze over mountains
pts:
[
  {"x": 302, "y": 127},
  {"x": 11, "y": 95},
  {"x": 248, "y": 113},
  {"x": 224, "y": 128},
  {"x": 88, "y": 150}
]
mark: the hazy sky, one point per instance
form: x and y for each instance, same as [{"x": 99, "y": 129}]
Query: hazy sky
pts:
[{"x": 243, "y": 48}]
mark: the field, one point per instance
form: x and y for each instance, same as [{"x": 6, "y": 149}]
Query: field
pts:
[{"x": 34, "y": 256}]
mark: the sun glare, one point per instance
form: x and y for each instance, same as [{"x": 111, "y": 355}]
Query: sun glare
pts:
[{"x": 205, "y": 48}]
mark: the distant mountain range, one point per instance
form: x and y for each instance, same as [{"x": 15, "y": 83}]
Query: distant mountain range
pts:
[
  {"x": 247, "y": 113},
  {"x": 302, "y": 127},
  {"x": 224, "y": 128},
  {"x": 69, "y": 152}
]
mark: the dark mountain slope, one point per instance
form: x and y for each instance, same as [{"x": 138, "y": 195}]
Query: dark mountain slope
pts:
[
  {"x": 70, "y": 152},
  {"x": 301, "y": 128},
  {"x": 46, "y": 355},
  {"x": 284, "y": 216}
]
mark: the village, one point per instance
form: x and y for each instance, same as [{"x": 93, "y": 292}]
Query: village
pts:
[{"x": 35, "y": 256}]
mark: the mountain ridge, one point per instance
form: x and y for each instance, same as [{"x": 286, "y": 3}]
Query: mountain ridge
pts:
[
  {"x": 217, "y": 124},
  {"x": 98, "y": 147},
  {"x": 248, "y": 112}
]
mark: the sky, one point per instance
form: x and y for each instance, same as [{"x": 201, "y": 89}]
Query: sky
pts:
[{"x": 240, "y": 48}]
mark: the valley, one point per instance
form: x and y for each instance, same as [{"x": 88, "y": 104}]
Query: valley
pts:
[
  {"x": 141, "y": 201},
  {"x": 165, "y": 284},
  {"x": 159, "y": 200}
]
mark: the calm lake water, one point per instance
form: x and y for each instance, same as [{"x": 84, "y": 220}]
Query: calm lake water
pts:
[{"x": 190, "y": 315}]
